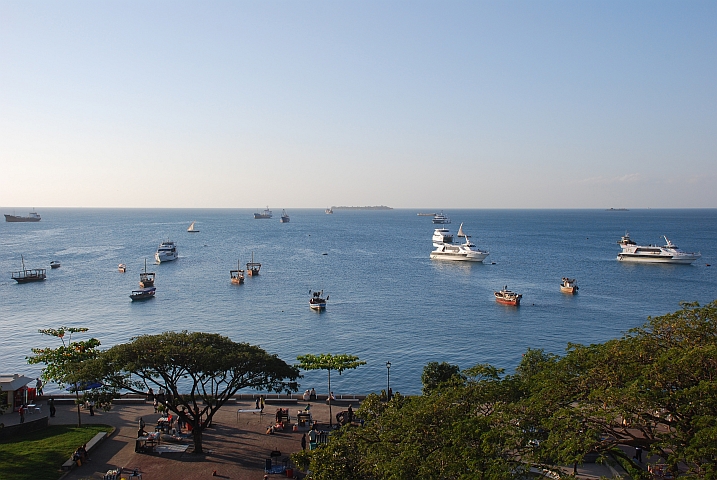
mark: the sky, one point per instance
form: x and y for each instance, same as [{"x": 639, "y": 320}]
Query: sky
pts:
[{"x": 411, "y": 104}]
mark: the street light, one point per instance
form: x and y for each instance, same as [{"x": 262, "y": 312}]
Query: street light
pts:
[{"x": 388, "y": 380}]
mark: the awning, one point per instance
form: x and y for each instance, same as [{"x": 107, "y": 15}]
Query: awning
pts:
[{"x": 14, "y": 382}]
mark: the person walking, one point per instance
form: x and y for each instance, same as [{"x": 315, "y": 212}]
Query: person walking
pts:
[
  {"x": 21, "y": 411},
  {"x": 303, "y": 442},
  {"x": 53, "y": 410},
  {"x": 257, "y": 403},
  {"x": 92, "y": 408},
  {"x": 38, "y": 386},
  {"x": 261, "y": 403}
]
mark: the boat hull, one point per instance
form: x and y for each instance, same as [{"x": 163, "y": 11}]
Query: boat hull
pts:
[
  {"x": 571, "y": 290},
  {"x": 317, "y": 306},
  {"x": 512, "y": 303},
  {"x": 165, "y": 257},
  {"x": 284, "y": 220},
  {"x": 30, "y": 279},
  {"x": 459, "y": 257},
  {"x": 664, "y": 259}
]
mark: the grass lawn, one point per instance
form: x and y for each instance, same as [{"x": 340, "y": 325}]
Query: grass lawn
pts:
[{"x": 39, "y": 455}]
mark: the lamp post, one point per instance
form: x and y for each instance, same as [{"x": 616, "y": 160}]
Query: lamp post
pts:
[{"x": 388, "y": 380}]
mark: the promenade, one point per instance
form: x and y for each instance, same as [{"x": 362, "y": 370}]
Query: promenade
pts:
[{"x": 236, "y": 446}]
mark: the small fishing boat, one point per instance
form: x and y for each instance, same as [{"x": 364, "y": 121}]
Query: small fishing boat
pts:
[
  {"x": 317, "y": 300},
  {"x": 329, "y": 211},
  {"x": 284, "y": 217},
  {"x": 191, "y": 228},
  {"x": 146, "y": 279},
  {"x": 569, "y": 285},
  {"x": 143, "y": 294},
  {"x": 54, "y": 264},
  {"x": 252, "y": 268},
  {"x": 237, "y": 275},
  {"x": 506, "y": 297},
  {"x": 122, "y": 267},
  {"x": 27, "y": 275}
]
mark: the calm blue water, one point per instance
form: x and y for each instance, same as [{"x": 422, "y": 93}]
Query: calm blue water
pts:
[{"x": 388, "y": 300}]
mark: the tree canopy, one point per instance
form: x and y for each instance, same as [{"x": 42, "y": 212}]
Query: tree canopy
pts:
[
  {"x": 328, "y": 362},
  {"x": 67, "y": 364},
  {"x": 197, "y": 371},
  {"x": 654, "y": 387}
]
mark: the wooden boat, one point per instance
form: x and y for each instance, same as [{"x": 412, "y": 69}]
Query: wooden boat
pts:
[
  {"x": 252, "y": 268},
  {"x": 146, "y": 279},
  {"x": 506, "y": 297},
  {"x": 569, "y": 285},
  {"x": 237, "y": 275},
  {"x": 461, "y": 233},
  {"x": 143, "y": 294},
  {"x": 54, "y": 264},
  {"x": 122, "y": 267},
  {"x": 317, "y": 300},
  {"x": 191, "y": 228},
  {"x": 27, "y": 275}
]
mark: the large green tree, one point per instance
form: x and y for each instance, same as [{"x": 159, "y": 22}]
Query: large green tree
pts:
[
  {"x": 67, "y": 364},
  {"x": 328, "y": 362},
  {"x": 198, "y": 371},
  {"x": 654, "y": 387}
]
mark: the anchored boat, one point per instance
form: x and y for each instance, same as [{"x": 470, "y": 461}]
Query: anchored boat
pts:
[
  {"x": 669, "y": 253},
  {"x": 252, "y": 268},
  {"x": 317, "y": 300},
  {"x": 569, "y": 285},
  {"x": 237, "y": 276},
  {"x": 27, "y": 275},
  {"x": 506, "y": 297},
  {"x": 191, "y": 228}
]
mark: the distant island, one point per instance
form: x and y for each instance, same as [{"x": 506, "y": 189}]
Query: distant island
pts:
[{"x": 376, "y": 207}]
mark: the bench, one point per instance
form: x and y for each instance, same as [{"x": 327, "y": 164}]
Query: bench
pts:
[
  {"x": 345, "y": 402},
  {"x": 70, "y": 463}
]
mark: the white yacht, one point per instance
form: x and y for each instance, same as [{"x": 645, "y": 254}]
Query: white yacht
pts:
[
  {"x": 440, "y": 218},
  {"x": 166, "y": 252},
  {"x": 669, "y": 253},
  {"x": 442, "y": 235},
  {"x": 465, "y": 252}
]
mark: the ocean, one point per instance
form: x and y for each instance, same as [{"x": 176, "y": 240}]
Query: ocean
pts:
[{"x": 387, "y": 300}]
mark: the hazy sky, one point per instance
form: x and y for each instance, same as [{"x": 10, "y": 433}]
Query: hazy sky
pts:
[{"x": 440, "y": 104}]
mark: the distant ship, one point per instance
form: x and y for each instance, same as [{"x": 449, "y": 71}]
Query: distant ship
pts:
[
  {"x": 265, "y": 214},
  {"x": 284, "y": 217},
  {"x": 329, "y": 210},
  {"x": 191, "y": 228},
  {"x": 32, "y": 217}
]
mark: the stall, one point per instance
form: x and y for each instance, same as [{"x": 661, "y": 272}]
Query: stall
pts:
[{"x": 15, "y": 392}]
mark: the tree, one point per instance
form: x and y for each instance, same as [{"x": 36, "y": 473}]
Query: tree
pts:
[
  {"x": 210, "y": 367},
  {"x": 328, "y": 362},
  {"x": 67, "y": 365},
  {"x": 434, "y": 374}
]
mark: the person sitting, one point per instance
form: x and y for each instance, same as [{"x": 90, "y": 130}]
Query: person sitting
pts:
[
  {"x": 312, "y": 394},
  {"x": 307, "y": 395},
  {"x": 331, "y": 396}
]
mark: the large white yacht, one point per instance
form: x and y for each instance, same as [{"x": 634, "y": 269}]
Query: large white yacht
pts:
[
  {"x": 669, "y": 253},
  {"x": 464, "y": 252},
  {"x": 442, "y": 235},
  {"x": 166, "y": 252}
]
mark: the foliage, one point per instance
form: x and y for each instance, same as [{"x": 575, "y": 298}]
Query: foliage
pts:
[
  {"x": 68, "y": 364},
  {"x": 39, "y": 455},
  {"x": 328, "y": 362},
  {"x": 436, "y": 374},
  {"x": 653, "y": 387},
  {"x": 210, "y": 367}
]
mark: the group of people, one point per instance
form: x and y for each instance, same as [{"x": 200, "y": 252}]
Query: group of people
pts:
[{"x": 309, "y": 395}]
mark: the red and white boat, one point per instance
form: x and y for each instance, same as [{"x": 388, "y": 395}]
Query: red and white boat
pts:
[{"x": 506, "y": 297}]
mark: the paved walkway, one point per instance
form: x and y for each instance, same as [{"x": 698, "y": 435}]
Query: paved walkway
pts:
[{"x": 235, "y": 447}]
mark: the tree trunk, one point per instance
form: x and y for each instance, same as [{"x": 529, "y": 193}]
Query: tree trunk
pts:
[
  {"x": 331, "y": 418},
  {"x": 77, "y": 401},
  {"x": 197, "y": 436}
]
